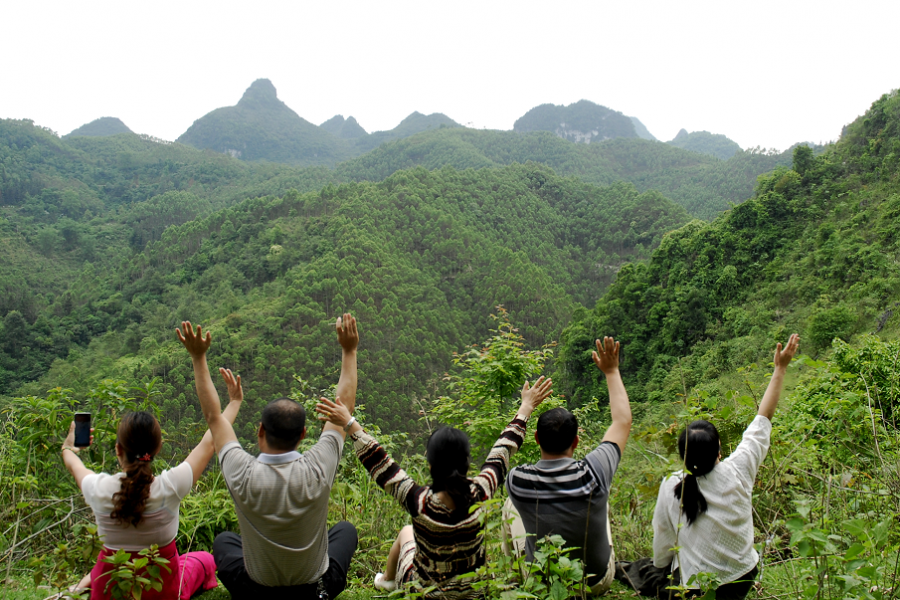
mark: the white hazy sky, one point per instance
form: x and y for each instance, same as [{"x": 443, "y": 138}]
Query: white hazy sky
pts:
[{"x": 765, "y": 73}]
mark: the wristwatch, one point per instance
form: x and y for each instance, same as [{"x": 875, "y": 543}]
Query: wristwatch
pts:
[{"x": 349, "y": 423}]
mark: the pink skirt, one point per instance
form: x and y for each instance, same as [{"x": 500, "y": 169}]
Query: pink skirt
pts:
[{"x": 188, "y": 574}]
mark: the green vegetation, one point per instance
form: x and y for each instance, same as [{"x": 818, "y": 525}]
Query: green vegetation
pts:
[
  {"x": 520, "y": 236},
  {"x": 101, "y": 127},
  {"x": 812, "y": 252},
  {"x": 703, "y": 185},
  {"x": 411, "y": 125},
  {"x": 704, "y": 142},
  {"x": 108, "y": 242}
]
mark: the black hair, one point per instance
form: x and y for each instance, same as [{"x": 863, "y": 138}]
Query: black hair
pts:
[
  {"x": 448, "y": 459},
  {"x": 283, "y": 422},
  {"x": 140, "y": 437},
  {"x": 556, "y": 430},
  {"x": 699, "y": 448}
]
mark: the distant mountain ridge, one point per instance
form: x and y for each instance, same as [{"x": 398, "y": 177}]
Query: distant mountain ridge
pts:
[
  {"x": 262, "y": 127},
  {"x": 347, "y": 129},
  {"x": 582, "y": 122},
  {"x": 101, "y": 127},
  {"x": 704, "y": 142}
]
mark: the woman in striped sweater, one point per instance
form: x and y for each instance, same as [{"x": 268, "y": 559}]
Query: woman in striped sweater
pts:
[{"x": 445, "y": 539}]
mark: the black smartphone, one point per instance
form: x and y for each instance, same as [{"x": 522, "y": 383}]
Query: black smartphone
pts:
[{"x": 82, "y": 430}]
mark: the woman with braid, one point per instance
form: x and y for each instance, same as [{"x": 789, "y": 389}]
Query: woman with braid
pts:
[
  {"x": 706, "y": 511},
  {"x": 136, "y": 509},
  {"x": 446, "y": 537}
]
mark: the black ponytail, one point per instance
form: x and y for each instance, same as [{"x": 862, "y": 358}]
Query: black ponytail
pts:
[
  {"x": 139, "y": 437},
  {"x": 448, "y": 459},
  {"x": 699, "y": 448}
]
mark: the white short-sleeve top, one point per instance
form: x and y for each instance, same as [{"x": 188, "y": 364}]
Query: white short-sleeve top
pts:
[
  {"x": 160, "y": 524},
  {"x": 720, "y": 540}
]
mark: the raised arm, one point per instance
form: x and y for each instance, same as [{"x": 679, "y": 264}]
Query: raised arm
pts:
[
  {"x": 70, "y": 457},
  {"x": 200, "y": 456},
  {"x": 496, "y": 465},
  {"x": 776, "y": 383},
  {"x": 348, "y": 338},
  {"x": 383, "y": 469},
  {"x": 196, "y": 345},
  {"x": 606, "y": 357}
]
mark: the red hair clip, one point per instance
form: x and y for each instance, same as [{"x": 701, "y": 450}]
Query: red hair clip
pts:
[{"x": 145, "y": 458}]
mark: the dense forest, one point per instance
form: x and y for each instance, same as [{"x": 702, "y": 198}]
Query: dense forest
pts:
[
  {"x": 470, "y": 258},
  {"x": 815, "y": 250}
]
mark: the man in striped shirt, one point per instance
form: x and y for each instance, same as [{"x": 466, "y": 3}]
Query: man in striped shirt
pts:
[{"x": 562, "y": 496}]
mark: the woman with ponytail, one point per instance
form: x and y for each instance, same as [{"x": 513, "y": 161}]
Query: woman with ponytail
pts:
[
  {"x": 136, "y": 509},
  {"x": 706, "y": 509},
  {"x": 446, "y": 537}
]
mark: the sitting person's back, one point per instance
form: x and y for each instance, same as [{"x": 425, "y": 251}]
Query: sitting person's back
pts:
[
  {"x": 446, "y": 539},
  {"x": 562, "y": 496},
  {"x": 703, "y": 520},
  {"x": 275, "y": 492},
  {"x": 281, "y": 497}
]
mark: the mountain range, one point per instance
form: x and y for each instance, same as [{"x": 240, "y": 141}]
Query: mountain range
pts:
[{"x": 262, "y": 127}]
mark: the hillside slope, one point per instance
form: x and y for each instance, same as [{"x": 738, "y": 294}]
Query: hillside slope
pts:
[
  {"x": 815, "y": 251},
  {"x": 422, "y": 258},
  {"x": 702, "y": 184}
]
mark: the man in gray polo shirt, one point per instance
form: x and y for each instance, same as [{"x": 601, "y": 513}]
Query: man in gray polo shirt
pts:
[
  {"x": 562, "y": 496},
  {"x": 281, "y": 496}
]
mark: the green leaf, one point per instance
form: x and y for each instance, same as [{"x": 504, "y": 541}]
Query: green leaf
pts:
[{"x": 558, "y": 591}]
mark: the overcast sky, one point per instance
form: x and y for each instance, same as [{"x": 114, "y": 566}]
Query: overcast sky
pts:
[{"x": 763, "y": 73}]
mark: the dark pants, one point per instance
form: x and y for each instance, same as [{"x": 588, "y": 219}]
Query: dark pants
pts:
[
  {"x": 229, "y": 554},
  {"x": 652, "y": 581}
]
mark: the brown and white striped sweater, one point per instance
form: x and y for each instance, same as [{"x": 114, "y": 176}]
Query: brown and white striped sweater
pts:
[{"x": 446, "y": 546}]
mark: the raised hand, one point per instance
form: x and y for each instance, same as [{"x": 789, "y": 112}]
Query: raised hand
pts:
[
  {"x": 195, "y": 344},
  {"x": 783, "y": 357},
  {"x": 533, "y": 396},
  {"x": 235, "y": 391},
  {"x": 348, "y": 336},
  {"x": 69, "y": 442},
  {"x": 606, "y": 356},
  {"x": 333, "y": 412}
]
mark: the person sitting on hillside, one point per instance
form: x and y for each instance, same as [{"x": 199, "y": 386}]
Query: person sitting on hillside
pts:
[
  {"x": 446, "y": 537},
  {"x": 135, "y": 509},
  {"x": 706, "y": 511},
  {"x": 281, "y": 496},
  {"x": 561, "y": 496}
]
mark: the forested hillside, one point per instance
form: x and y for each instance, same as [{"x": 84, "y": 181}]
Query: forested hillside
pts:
[
  {"x": 422, "y": 257},
  {"x": 109, "y": 242},
  {"x": 703, "y": 185},
  {"x": 814, "y": 251}
]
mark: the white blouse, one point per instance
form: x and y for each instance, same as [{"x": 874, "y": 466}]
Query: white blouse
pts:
[
  {"x": 720, "y": 540},
  {"x": 160, "y": 524}
]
